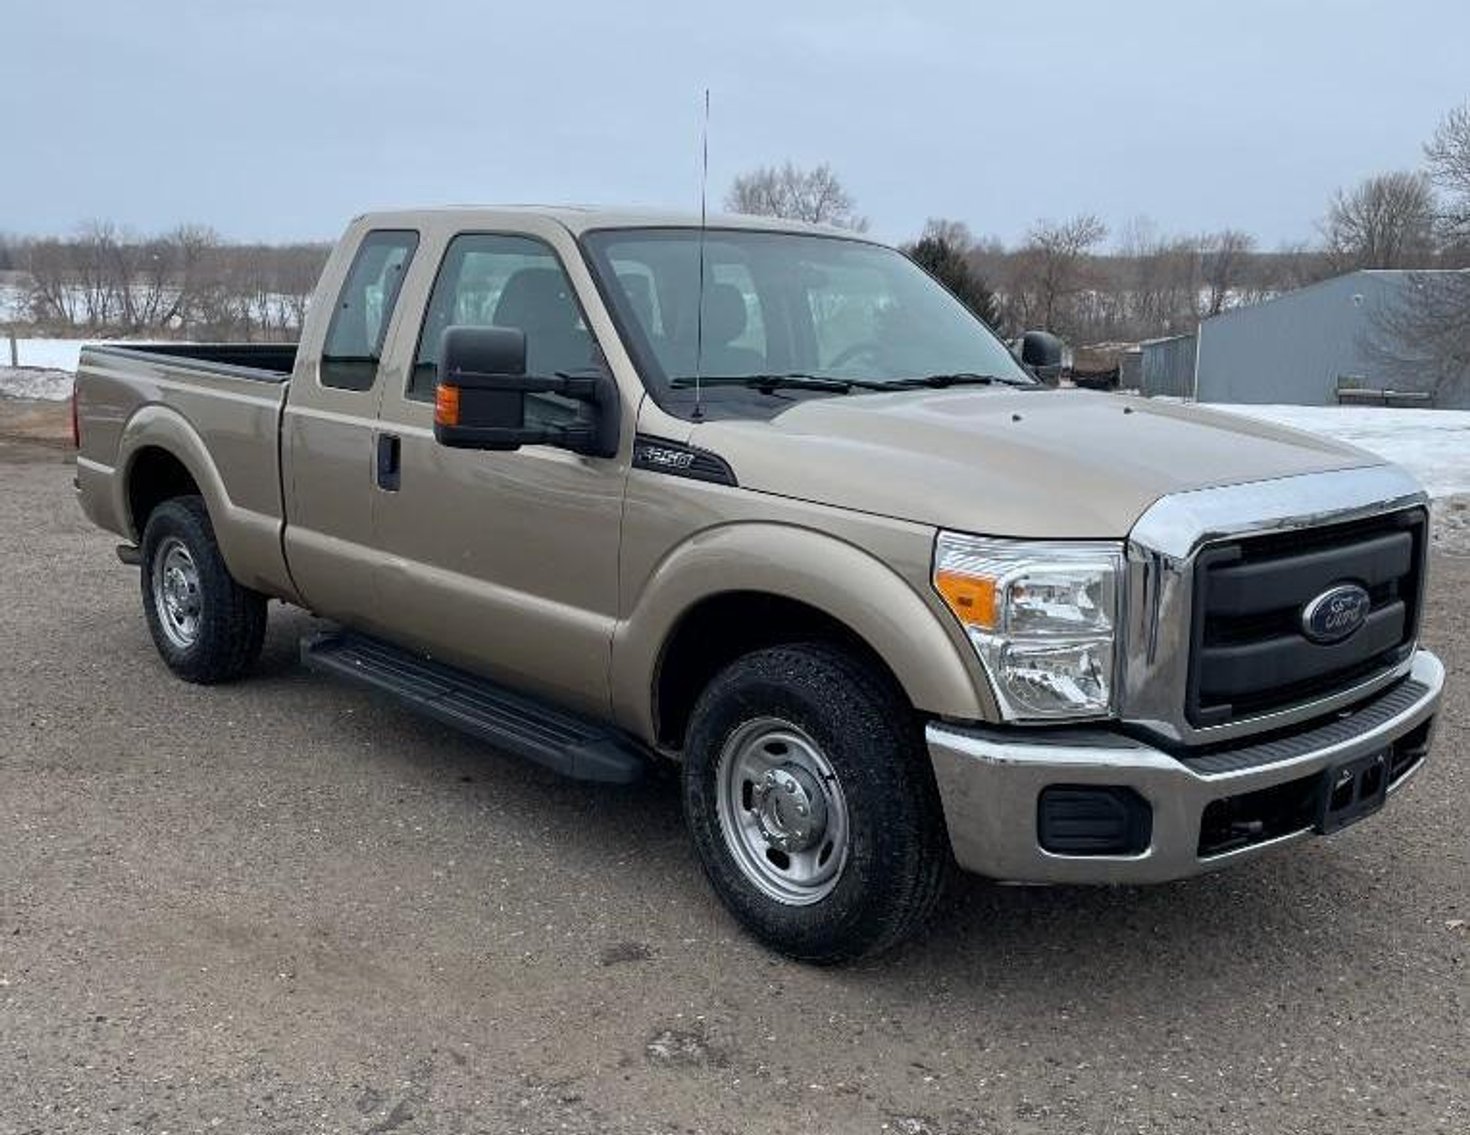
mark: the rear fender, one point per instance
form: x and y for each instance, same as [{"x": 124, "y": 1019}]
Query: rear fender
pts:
[{"x": 249, "y": 541}]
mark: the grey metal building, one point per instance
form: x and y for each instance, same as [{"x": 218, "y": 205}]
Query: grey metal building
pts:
[
  {"x": 1327, "y": 343},
  {"x": 1167, "y": 366}
]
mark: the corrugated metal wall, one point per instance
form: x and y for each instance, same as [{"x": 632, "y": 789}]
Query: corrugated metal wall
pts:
[
  {"x": 1300, "y": 347},
  {"x": 1168, "y": 367}
]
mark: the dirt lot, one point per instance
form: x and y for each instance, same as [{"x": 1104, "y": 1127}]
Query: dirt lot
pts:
[
  {"x": 25, "y": 419},
  {"x": 283, "y": 906}
]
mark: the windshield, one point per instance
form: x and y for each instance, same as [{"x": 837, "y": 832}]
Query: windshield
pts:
[{"x": 840, "y": 314}]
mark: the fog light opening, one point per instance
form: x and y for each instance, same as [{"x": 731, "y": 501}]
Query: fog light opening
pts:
[{"x": 1090, "y": 820}]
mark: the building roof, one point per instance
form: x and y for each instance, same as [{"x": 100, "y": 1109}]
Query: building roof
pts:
[{"x": 1382, "y": 274}]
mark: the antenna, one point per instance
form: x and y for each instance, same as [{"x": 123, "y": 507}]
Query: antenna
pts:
[{"x": 699, "y": 311}]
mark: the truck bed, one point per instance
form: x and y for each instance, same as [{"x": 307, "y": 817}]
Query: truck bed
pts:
[
  {"x": 265, "y": 362},
  {"x": 211, "y": 412}
]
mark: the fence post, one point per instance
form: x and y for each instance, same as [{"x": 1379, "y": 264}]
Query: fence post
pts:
[{"x": 14, "y": 348}]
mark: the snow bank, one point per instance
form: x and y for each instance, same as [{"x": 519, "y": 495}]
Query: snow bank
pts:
[
  {"x": 46, "y": 368},
  {"x": 1434, "y": 445},
  {"x": 40, "y": 385},
  {"x": 48, "y": 354}
]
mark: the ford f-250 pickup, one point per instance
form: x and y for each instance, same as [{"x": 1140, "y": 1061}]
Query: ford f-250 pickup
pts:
[{"x": 767, "y": 501}]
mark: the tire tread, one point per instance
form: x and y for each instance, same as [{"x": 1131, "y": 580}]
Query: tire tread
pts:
[
  {"x": 839, "y": 686},
  {"x": 234, "y": 617}
]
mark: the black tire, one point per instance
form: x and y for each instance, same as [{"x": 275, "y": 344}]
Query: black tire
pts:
[
  {"x": 229, "y": 626},
  {"x": 897, "y": 847}
]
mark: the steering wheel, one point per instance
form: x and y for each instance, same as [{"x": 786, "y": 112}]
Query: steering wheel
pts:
[{"x": 869, "y": 347}]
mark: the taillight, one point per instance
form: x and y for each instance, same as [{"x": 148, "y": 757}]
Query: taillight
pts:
[{"x": 76, "y": 424}]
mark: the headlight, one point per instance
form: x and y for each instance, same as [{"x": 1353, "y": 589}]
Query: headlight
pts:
[{"x": 1043, "y": 617}]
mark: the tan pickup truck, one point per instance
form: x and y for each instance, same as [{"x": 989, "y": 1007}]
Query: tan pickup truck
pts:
[{"x": 765, "y": 500}]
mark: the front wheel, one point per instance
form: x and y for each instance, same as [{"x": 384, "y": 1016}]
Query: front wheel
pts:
[
  {"x": 207, "y": 627},
  {"x": 810, "y": 799}
]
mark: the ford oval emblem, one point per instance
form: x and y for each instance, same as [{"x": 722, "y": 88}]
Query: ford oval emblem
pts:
[{"x": 1336, "y": 614}]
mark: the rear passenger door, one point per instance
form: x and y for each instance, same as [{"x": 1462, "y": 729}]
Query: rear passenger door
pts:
[
  {"x": 505, "y": 563},
  {"x": 329, "y": 431}
]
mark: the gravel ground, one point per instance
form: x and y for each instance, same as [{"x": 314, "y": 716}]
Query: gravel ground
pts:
[
  {"x": 284, "y": 906},
  {"x": 35, "y": 419}
]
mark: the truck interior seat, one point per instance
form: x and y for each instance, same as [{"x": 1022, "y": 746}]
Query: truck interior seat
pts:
[
  {"x": 725, "y": 319},
  {"x": 539, "y": 302}
]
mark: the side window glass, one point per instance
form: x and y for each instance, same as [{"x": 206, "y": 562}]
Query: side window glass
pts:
[
  {"x": 508, "y": 281},
  {"x": 365, "y": 308}
]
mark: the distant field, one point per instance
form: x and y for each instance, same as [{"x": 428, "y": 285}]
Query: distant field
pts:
[
  {"x": 46, "y": 367},
  {"x": 49, "y": 354}
]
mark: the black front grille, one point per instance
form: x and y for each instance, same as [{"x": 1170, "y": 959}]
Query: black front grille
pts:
[{"x": 1250, "y": 655}]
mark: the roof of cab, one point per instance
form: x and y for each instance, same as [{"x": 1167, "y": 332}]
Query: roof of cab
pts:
[{"x": 579, "y": 219}]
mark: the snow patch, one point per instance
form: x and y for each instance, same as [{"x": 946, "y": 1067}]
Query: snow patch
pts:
[
  {"x": 47, "y": 354},
  {"x": 38, "y": 385},
  {"x": 1434, "y": 445}
]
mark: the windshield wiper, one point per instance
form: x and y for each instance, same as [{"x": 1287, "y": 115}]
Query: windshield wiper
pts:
[
  {"x": 798, "y": 380},
  {"x": 958, "y": 378},
  {"x": 766, "y": 383}
]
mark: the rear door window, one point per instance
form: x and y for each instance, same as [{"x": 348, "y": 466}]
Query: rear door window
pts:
[{"x": 365, "y": 308}]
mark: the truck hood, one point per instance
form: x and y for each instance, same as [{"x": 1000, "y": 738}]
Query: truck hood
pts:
[{"x": 1033, "y": 463}]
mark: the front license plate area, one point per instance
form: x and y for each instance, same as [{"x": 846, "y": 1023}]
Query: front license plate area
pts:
[{"x": 1352, "y": 790}]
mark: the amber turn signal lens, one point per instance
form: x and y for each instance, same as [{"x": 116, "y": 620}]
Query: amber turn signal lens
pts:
[
  {"x": 446, "y": 405},
  {"x": 971, "y": 599}
]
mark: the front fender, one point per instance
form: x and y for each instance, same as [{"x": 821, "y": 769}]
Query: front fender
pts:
[{"x": 831, "y": 575}]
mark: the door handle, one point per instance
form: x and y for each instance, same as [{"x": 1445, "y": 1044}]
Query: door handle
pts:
[{"x": 390, "y": 454}]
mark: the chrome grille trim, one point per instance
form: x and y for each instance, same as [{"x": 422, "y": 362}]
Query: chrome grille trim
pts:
[{"x": 1159, "y": 596}]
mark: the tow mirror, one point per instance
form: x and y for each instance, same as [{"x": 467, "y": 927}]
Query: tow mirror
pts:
[
  {"x": 1042, "y": 352},
  {"x": 480, "y": 397}
]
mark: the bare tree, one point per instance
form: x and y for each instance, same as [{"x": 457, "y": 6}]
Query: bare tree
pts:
[
  {"x": 1294, "y": 264},
  {"x": 98, "y": 272},
  {"x": 1448, "y": 157},
  {"x": 796, "y": 194},
  {"x": 1149, "y": 286},
  {"x": 298, "y": 269},
  {"x": 1387, "y": 221},
  {"x": 1223, "y": 258},
  {"x": 52, "y": 299},
  {"x": 955, "y": 234},
  {"x": 195, "y": 255},
  {"x": 1049, "y": 271},
  {"x": 1421, "y": 338},
  {"x": 107, "y": 282}
]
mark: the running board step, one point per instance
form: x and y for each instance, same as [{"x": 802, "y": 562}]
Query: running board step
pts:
[{"x": 525, "y": 726}]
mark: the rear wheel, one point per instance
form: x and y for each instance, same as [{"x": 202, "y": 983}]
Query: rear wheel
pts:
[
  {"x": 205, "y": 625},
  {"x": 809, "y": 796}
]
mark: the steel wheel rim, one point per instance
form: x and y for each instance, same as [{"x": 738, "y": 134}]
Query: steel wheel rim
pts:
[
  {"x": 782, "y": 811},
  {"x": 177, "y": 596}
]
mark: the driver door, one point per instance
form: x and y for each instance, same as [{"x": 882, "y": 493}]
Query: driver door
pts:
[{"x": 503, "y": 563}]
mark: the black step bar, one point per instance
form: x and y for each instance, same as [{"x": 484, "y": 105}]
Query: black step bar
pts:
[{"x": 514, "y": 722}]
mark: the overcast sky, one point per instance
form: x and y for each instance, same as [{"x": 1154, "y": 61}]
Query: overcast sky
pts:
[{"x": 280, "y": 119}]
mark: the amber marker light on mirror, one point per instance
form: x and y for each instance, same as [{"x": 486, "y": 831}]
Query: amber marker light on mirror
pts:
[{"x": 446, "y": 405}]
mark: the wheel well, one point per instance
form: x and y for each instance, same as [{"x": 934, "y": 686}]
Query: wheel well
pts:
[
  {"x": 156, "y": 475},
  {"x": 718, "y": 630}
]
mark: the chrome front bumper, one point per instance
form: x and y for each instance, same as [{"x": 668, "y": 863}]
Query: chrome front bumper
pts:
[{"x": 991, "y": 782}]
